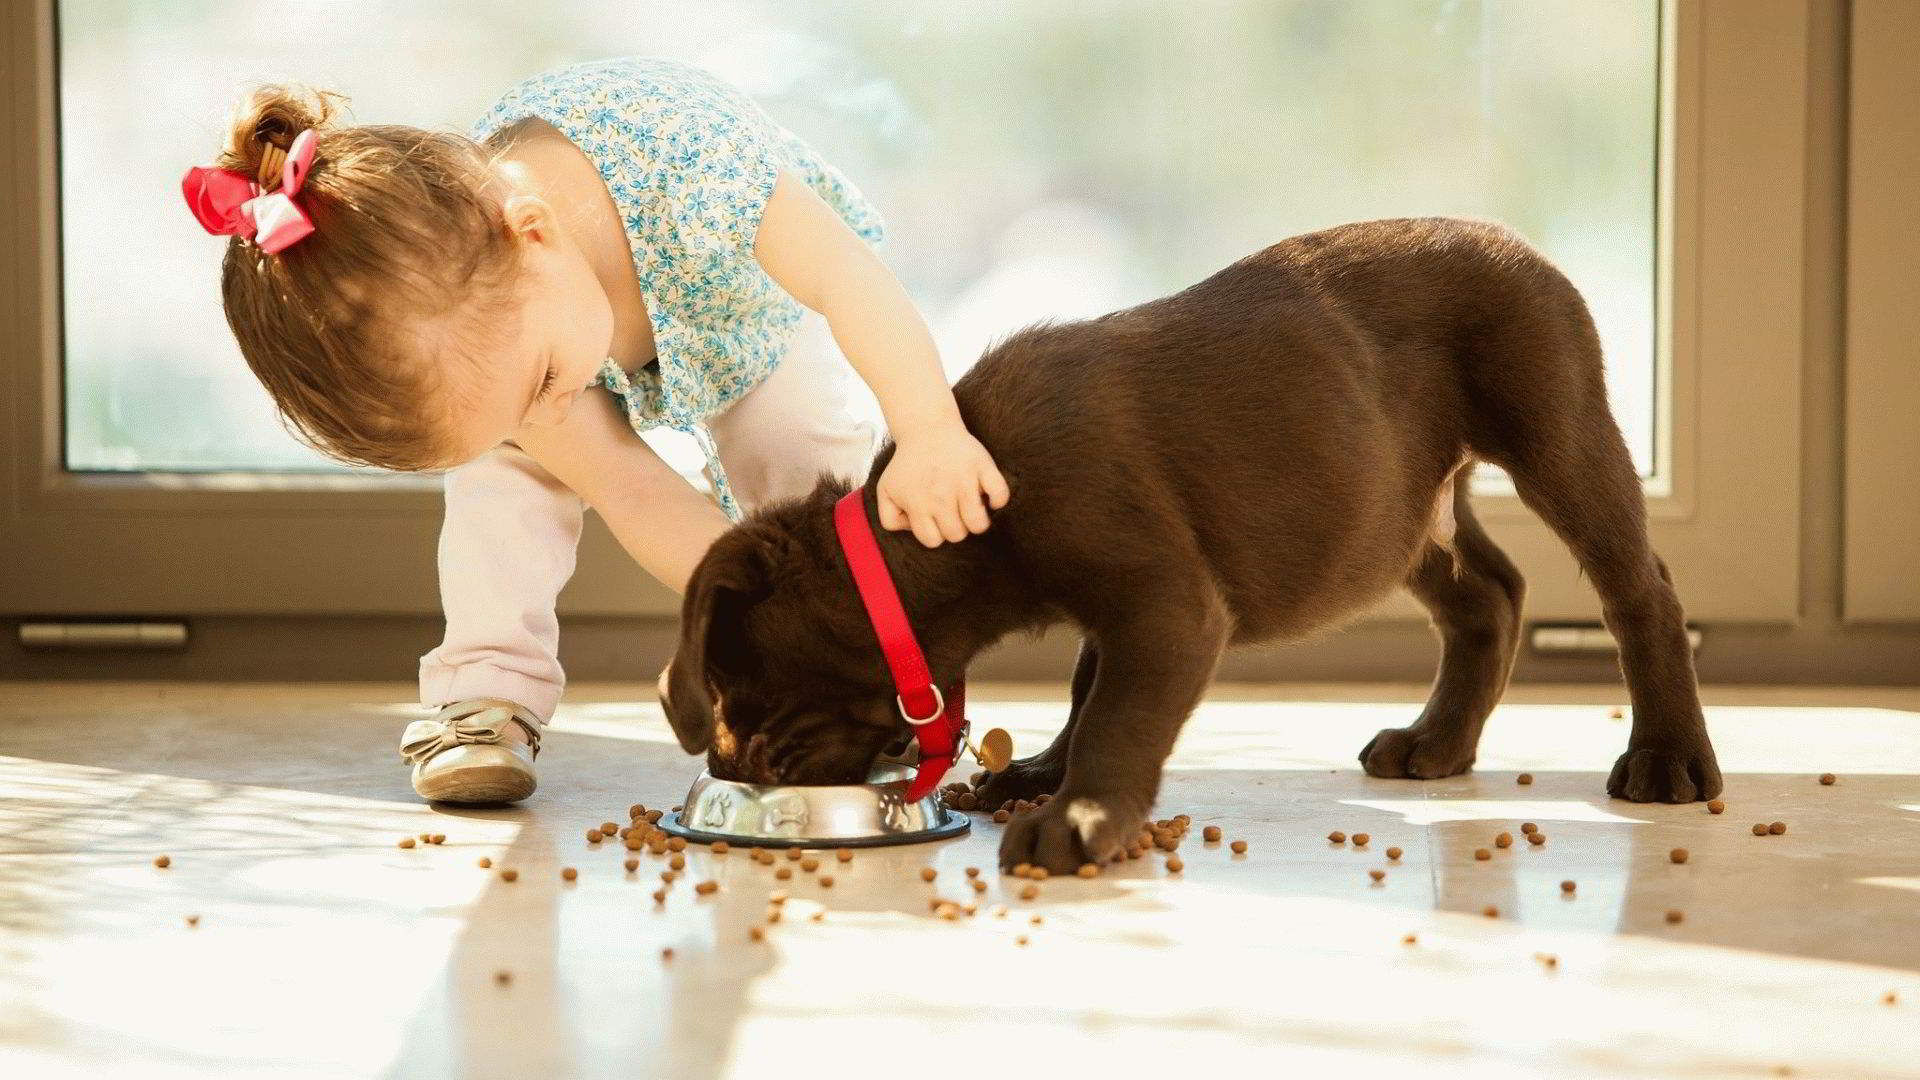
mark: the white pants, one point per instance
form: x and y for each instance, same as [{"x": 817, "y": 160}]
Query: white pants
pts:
[{"x": 508, "y": 541}]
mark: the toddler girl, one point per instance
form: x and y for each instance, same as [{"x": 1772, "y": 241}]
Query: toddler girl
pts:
[{"x": 419, "y": 300}]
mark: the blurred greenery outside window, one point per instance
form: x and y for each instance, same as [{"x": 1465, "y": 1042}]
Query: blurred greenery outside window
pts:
[{"x": 1033, "y": 160}]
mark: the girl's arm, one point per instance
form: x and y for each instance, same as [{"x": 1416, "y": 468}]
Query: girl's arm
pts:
[
  {"x": 939, "y": 470},
  {"x": 662, "y": 521}
]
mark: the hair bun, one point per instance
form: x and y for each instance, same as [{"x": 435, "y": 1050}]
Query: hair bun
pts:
[{"x": 265, "y": 124}]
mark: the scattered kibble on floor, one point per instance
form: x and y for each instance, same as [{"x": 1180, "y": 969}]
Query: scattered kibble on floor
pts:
[
  {"x": 193, "y": 920},
  {"x": 1777, "y": 828},
  {"x": 1827, "y": 778},
  {"x": 1529, "y": 828},
  {"x": 1410, "y": 939},
  {"x": 1239, "y": 847},
  {"x": 485, "y": 863},
  {"x": 1359, "y": 840},
  {"x": 1377, "y": 875},
  {"x": 1336, "y": 837},
  {"x": 569, "y": 873},
  {"x": 1211, "y": 834},
  {"x": 1504, "y": 840},
  {"x": 405, "y": 841},
  {"x": 164, "y": 861},
  {"x": 509, "y": 874},
  {"x": 1482, "y": 854},
  {"x": 632, "y": 865},
  {"x": 928, "y": 873},
  {"x": 1490, "y": 911},
  {"x": 1536, "y": 838},
  {"x": 706, "y": 887},
  {"x": 844, "y": 854},
  {"x": 1716, "y": 806},
  {"x": 1524, "y": 778},
  {"x": 502, "y": 978},
  {"x": 1174, "y": 866},
  {"x": 1568, "y": 887},
  {"x": 1394, "y": 853},
  {"x": 1029, "y": 892},
  {"x": 1674, "y": 915},
  {"x": 1678, "y": 854}
]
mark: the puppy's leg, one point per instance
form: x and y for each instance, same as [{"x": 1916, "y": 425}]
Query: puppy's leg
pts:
[
  {"x": 1474, "y": 593},
  {"x": 1042, "y": 773},
  {"x": 1152, "y": 672},
  {"x": 1571, "y": 466}
]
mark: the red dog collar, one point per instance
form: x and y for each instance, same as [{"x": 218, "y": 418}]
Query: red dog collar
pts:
[{"x": 941, "y": 723}]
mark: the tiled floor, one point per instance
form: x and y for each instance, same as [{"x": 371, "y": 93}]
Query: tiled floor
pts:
[{"x": 323, "y": 950}]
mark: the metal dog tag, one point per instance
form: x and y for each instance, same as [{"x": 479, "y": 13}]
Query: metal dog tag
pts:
[{"x": 996, "y": 749}]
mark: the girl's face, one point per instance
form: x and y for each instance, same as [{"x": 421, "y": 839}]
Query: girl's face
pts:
[{"x": 566, "y": 335}]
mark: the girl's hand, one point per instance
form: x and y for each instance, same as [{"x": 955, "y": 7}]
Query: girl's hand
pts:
[{"x": 934, "y": 483}]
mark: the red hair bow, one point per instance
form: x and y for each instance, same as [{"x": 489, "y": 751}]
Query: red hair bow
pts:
[{"x": 227, "y": 203}]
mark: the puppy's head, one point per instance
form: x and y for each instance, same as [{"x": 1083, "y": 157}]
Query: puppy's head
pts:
[{"x": 776, "y": 676}]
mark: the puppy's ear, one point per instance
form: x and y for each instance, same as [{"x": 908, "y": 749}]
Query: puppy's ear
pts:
[{"x": 712, "y": 628}]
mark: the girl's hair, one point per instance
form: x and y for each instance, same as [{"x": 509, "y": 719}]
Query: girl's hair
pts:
[{"x": 407, "y": 251}]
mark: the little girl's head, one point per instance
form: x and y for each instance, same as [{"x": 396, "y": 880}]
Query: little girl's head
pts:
[{"x": 413, "y": 329}]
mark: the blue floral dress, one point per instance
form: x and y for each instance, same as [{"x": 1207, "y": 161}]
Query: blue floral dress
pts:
[{"x": 690, "y": 161}]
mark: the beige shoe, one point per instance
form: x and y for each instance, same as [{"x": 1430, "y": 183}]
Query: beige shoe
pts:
[{"x": 462, "y": 755}]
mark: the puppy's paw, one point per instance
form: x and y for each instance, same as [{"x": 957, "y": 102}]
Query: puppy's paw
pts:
[
  {"x": 1665, "y": 774},
  {"x": 1070, "y": 830},
  {"x": 1409, "y": 753},
  {"x": 1022, "y": 779}
]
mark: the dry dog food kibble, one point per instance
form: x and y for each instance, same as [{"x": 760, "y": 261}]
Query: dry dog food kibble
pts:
[
  {"x": 1334, "y": 837},
  {"x": 678, "y": 862},
  {"x": 653, "y": 816},
  {"x": 928, "y": 873},
  {"x": 720, "y": 847},
  {"x": 666, "y": 953},
  {"x": 1002, "y": 816},
  {"x": 1482, "y": 854},
  {"x": 1827, "y": 778},
  {"x": 1020, "y": 869},
  {"x": 1029, "y": 892},
  {"x": 973, "y": 871},
  {"x": 193, "y": 920},
  {"x": 826, "y": 881},
  {"x": 636, "y": 810},
  {"x": 1529, "y": 828},
  {"x": 1038, "y": 873},
  {"x": 1567, "y": 886},
  {"x": 1377, "y": 875},
  {"x": 1088, "y": 869},
  {"x": 783, "y": 873},
  {"x": 1174, "y": 866},
  {"x": 1716, "y": 807},
  {"x": 677, "y": 843},
  {"x": 1678, "y": 854},
  {"x": 1504, "y": 840},
  {"x": 1393, "y": 853},
  {"x": 809, "y": 864},
  {"x": 405, "y": 841},
  {"x": 632, "y": 865},
  {"x": 1490, "y": 911},
  {"x": 439, "y": 838},
  {"x": 1239, "y": 847},
  {"x": 978, "y": 885},
  {"x": 1524, "y": 778},
  {"x": 818, "y": 915},
  {"x": 1760, "y": 830},
  {"x": 756, "y": 933},
  {"x": 502, "y": 978},
  {"x": 706, "y": 887},
  {"x": 1359, "y": 840},
  {"x": 485, "y": 862},
  {"x": 162, "y": 861},
  {"x": 1777, "y": 828},
  {"x": 668, "y": 876},
  {"x": 569, "y": 873},
  {"x": 1674, "y": 915},
  {"x": 1211, "y": 834},
  {"x": 1536, "y": 838},
  {"x": 844, "y": 854},
  {"x": 509, "y": 874}
]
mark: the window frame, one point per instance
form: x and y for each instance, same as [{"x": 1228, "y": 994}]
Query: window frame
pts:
[{"x": 1729, "y": 317}]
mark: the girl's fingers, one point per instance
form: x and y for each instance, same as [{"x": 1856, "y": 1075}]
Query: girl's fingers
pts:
[
  {"x": 973, "y": 510},
  {"x": 926, "y": 530},
  {"x": 890, "y": 514},
  {"x": 996, "y": 486},
  {"x": 948, "y": 517}
]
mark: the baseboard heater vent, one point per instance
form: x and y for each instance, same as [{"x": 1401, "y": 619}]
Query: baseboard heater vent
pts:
[
  {"x": 103, "y": 635},
  {"x": 1585, "y": 639}
]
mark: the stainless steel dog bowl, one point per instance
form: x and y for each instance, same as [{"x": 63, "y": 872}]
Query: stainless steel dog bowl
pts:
[{"x": 873, "y": 814}]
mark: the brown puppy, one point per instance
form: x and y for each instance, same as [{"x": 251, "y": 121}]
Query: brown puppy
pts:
[{"x": 1261, "y": 456}]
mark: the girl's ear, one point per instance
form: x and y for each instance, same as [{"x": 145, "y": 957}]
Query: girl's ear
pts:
[{"x": 712, "y": 625}]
